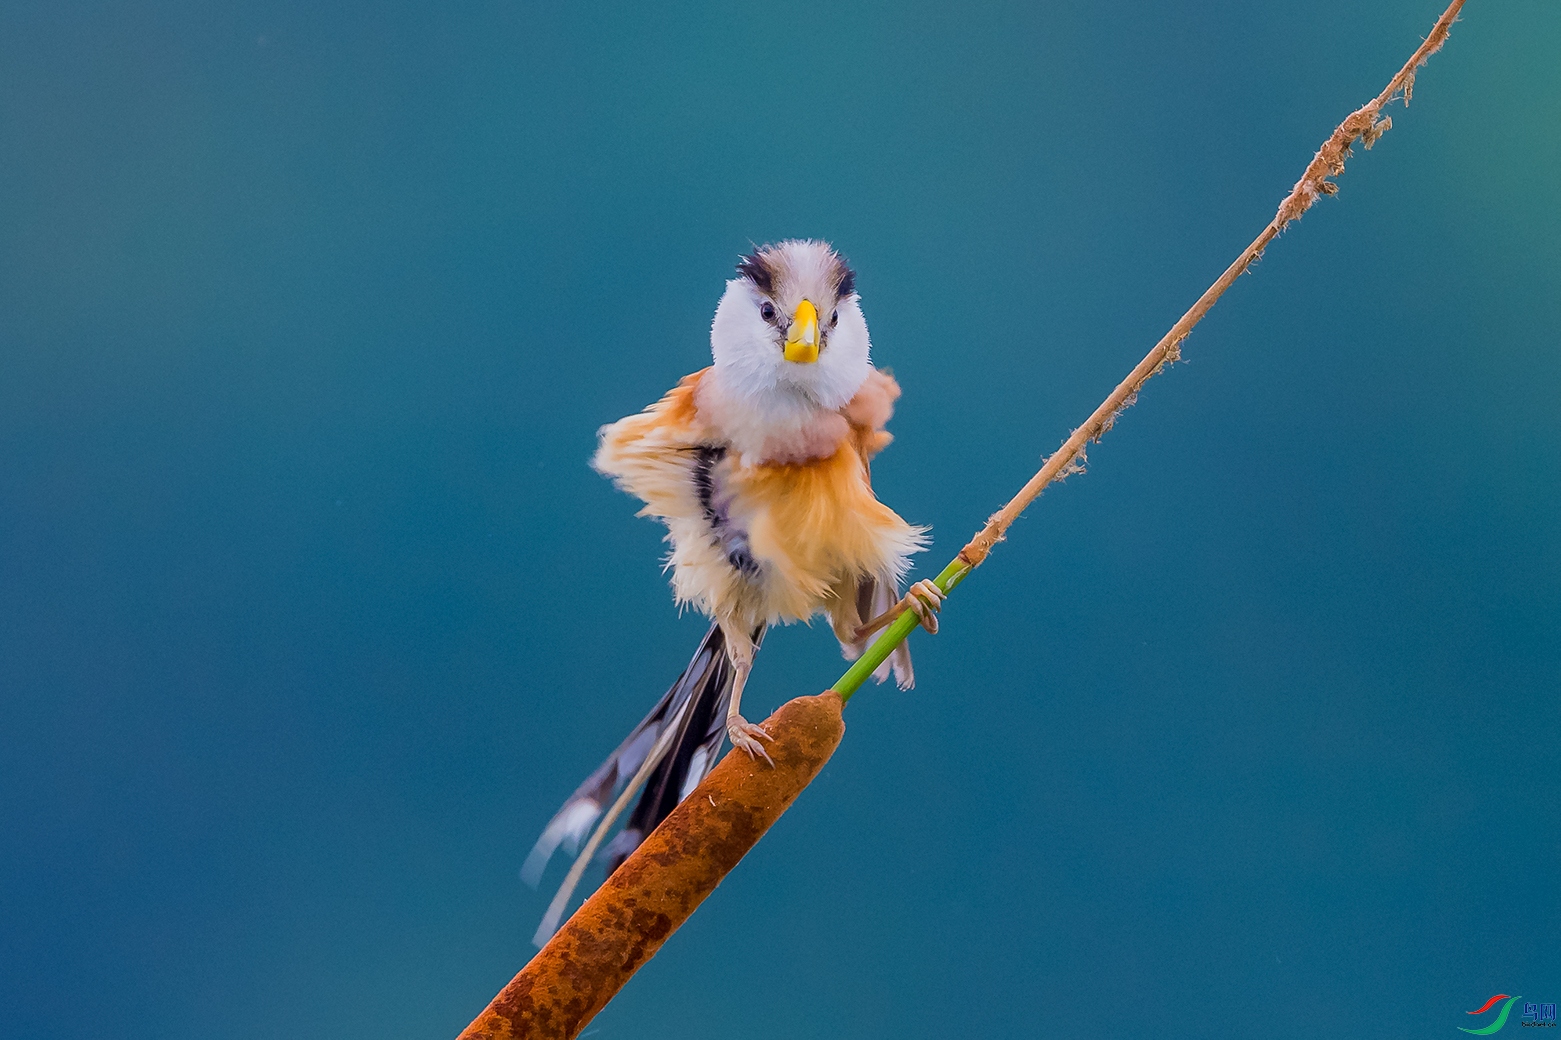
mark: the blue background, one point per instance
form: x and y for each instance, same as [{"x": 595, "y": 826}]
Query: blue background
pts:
[{"x": 311, "y": 612}]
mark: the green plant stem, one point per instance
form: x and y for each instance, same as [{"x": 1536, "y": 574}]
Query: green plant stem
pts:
[{"x": 894, "y": 635}]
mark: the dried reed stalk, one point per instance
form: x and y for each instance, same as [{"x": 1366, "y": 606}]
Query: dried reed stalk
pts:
[
  {"x": 625, "y": 921},
  {"x": 1365, "y": 124}
]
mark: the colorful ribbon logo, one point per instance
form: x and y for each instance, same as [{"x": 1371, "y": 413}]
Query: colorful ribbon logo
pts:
[{"x": 1501, "y": 1019}]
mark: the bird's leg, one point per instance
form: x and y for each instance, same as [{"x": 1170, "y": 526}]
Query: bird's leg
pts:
[
  {"x": 924, "y": 600},
  {"x": 743, "y": 734}
]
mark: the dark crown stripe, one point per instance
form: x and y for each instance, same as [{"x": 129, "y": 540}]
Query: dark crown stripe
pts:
[
  {"x": 755, "y": 267},
  {"x": 847, "y": 283}
]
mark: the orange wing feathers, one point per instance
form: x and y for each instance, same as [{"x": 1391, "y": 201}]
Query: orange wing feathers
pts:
[
  {"x": 870, "y": 411},
  {"x": 646, "y": 454}
]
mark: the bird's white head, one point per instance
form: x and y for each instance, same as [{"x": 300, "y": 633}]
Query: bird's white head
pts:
[{"x": 790, "y": 325}]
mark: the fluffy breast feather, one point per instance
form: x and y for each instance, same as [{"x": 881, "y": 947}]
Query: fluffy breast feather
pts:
[
  {"x": 819, "y": 528},
  {"x": 815, "y": 526}
]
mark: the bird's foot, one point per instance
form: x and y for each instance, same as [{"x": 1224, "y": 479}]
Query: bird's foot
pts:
[
  {"x": 746, "y": 735},
  {"x": 924, "y": 600}
]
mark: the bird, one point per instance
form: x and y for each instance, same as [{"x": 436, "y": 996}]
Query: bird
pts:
[{"x": 759, "y": 467}]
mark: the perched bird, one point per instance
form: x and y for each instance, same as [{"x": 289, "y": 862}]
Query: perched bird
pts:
[{"x": 758, "y": 467}]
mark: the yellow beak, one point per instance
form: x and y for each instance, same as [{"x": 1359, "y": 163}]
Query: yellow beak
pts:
[{"x": 802, "y": 337}]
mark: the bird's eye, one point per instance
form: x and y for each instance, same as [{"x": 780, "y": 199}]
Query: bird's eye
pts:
[
  {"x": 834, "y": 319},
  {"x": 767, "y": 311}
]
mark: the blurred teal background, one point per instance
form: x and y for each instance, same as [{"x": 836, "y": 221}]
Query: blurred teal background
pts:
[{"x": 311, "y": 612}]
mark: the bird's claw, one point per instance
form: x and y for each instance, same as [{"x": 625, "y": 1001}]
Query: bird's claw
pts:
[
  {"x": 924, "y": 600},
  {"x": 746, "y": 735}
]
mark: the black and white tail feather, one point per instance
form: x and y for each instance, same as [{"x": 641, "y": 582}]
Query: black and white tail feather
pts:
[{"x": 669, "y": 752}]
